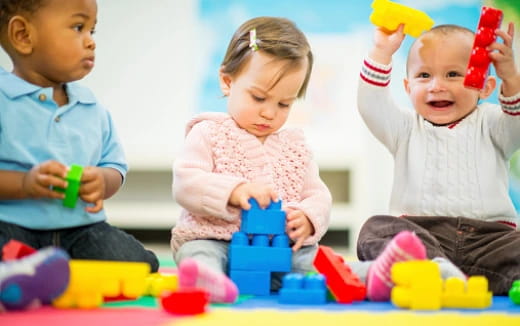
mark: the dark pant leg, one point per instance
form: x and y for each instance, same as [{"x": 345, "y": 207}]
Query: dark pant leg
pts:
[
  {"x": 9, "y": 231},
  {"x": 101, "y": 241},
  {"x": 379, "y": 230},
  {"x": 491, "y": 249}
]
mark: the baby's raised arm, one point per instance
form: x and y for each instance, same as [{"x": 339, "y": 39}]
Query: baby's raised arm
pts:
[
  {"x": 386, "y": 43},
  {"x": 504, "y": 61}
]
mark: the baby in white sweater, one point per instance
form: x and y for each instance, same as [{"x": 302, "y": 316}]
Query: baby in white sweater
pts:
[{"x": 451, "y": 158}]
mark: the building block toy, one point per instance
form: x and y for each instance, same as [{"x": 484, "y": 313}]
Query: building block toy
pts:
[
  {"x": 157, "y": 283},
  {"x": 93, "y": 280},
  {"x": 262, "y": 253},
  {"x": 299, "y": 289},
  {"x": 418, "y": 285},
  {"x": 514, "y": 292},
  {"x": 15, "y": 249},
  {"x": 185, "y": 301},
  {"x": 257, "y": 220},
  {"x": 74, "y": 181},
  {"x": 390, "y": 15},
  {"x": 251, "y": 282},
  {"x": 344, "y": 284},
  {"x": 479, "y": 61},
  {"x": 472, "y": 294}
]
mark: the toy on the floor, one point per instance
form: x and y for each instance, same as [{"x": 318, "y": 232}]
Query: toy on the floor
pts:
[
  {"x": 303, "y": 289},
  {"x": 91, "y": 281},
  {"x": 157, "y": 283},
  {"x": 15, "y": 249},
  {"x": 419, "y": 286},
  {"x": 254, "y": 255},
  {"x": 514, "y": 292},
  {"x": 74, "y": 181},
  {"x": 479, "y": 61},
  {"x": 390, "y": 15},
  {"x": 185, "y": 301},
  {"x": 344, "y": 284}
]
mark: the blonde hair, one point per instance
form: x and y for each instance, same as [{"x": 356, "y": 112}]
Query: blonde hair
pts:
[{"x": 278, "y": 37}]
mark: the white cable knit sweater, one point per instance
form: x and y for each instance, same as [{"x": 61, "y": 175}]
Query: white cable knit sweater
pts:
[
  {"x": 218, "y": 156},
  {"x": 455, "y": 170}
]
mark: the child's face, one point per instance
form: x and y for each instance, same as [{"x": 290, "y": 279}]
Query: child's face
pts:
[
  {"x": 436, "y": 69},
  {"x": 63, "y": 47},
  {"x": 254, "y": 102}
]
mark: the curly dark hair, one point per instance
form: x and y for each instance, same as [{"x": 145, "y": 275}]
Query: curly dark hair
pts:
[{"x": 9, "y": 8}]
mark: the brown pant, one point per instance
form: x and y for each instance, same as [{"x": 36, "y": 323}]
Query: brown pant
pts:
[{"x": 478, "y": 248}]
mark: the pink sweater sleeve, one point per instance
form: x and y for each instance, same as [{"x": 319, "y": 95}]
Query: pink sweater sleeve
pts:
[{"x": 195, "y": 186}]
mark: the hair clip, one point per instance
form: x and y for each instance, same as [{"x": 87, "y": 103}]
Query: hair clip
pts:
[{"x": 253, "y": 42}]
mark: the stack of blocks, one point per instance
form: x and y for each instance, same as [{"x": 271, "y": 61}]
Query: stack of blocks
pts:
[
  {"x": 259, "y": 248},
  {"x": 479, "y": 61}
]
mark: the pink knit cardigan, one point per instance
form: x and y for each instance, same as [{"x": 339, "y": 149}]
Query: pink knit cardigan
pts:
[{"x": 218, "y": 156}]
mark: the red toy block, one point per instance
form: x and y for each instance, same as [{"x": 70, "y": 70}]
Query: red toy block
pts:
[
  {"x": 15, "y": 249},
  {"x": 185, "y": 301},
  {"x": 479, "y": 61},
  {"x": 341, "y": 281}
]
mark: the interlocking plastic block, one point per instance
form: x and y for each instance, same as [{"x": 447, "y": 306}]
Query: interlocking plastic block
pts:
[
  {"x": 252, "y": 282},
  {"x": 514, "y": 292},
  {"x": 472, "y": 294},
  {"x": 418, "y": 285},
  {"x": 299, "y": 289},
  {"x": 157, "y": 283},
  {"x": 74, "y": 181},
  {"x": 257, "y": 220},
  {"x": 93, "y": 280},
  {"x": 344, "y": 284},
  {"x": 15, "y": 249},
  {"x": 261, "y": 253},
  {"x": 185, "y": 301},
  {"x": 390, "y": 15},
  {"x": 479, "y": 61}
]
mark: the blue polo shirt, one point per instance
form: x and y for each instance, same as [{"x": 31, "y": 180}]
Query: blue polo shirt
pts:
[{"x": 33, "y": 129}]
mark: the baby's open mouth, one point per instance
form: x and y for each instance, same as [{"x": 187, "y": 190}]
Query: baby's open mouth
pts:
[{"x": 440, "y": 104}]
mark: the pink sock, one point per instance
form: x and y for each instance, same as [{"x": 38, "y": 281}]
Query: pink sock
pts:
[
  {"x": 404, "y": 246},
  {"x": 194, "y": 274}
]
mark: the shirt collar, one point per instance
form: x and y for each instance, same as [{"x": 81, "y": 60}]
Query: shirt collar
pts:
[{"x": 14, "y": 86}]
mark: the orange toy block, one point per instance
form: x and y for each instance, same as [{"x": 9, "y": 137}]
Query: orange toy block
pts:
[
  {"x": 341, "y": 281},
  {"x": 93, "y": 280},
  {"x": 390, "y": 15},
  {"x": 471, "y": 294},
  {"x": 418, "y": 285}
]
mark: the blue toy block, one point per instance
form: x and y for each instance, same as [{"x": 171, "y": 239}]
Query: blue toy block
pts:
[
  {"x": 299, "y": 289},
  {"x": 252, "y": 282},
  {"x": 262, "y": 254},
  {"x": 257, "y": 220}
]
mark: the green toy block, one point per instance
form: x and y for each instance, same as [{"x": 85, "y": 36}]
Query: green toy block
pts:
[
  {"x": 514, "y": 292},
  {"x": 72, "y": 191}
]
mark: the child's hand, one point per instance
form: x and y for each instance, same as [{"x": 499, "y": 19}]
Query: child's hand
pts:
[
  {"x": 503, "y": 59},
  {"x": 92, "y": 189},
  {"x": 386, "y": 43},
  {"x": 39, "y": 181},
  {"x": 299, "y": 227},
  {"x": 262, "y": 193}
]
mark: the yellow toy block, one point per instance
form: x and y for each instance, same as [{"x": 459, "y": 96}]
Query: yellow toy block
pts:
[
  {"x": 93, "y": 280},
  {"x": 157, "y": 283},
  {"x": 418, "y": 285},
  {"x": 471, "y": 294},
  {"x": 390, "y": 15}
]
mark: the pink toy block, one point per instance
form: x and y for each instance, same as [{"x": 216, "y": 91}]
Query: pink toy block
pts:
[
  {"x": 15, "y": 249},
  {"x": 344, "y": 284},
  {"x": 479, "y": 61}
]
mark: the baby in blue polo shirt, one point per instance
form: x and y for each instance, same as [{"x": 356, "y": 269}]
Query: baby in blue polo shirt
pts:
[{"x": 47, "y": 123}]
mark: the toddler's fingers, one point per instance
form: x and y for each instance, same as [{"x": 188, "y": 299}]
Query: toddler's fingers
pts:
[{"x": 96, "y": 208}]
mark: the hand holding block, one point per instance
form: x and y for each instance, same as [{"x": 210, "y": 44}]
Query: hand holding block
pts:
[
  {"x": 390, "y": 15},
  {"x": 74, "y": 181},
  {"x": 479, "y": 61}
]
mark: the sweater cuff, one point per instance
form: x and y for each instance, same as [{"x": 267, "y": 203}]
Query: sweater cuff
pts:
[
  {"x": 375, "y": 73},
  {"x": 511, "y": 104}
]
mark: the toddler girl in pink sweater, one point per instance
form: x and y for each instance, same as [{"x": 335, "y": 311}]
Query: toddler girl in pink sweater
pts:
[{"x": 231, "y": 157}]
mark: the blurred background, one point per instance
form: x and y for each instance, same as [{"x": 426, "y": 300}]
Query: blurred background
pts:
[{"x": 157, "y": 64}]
